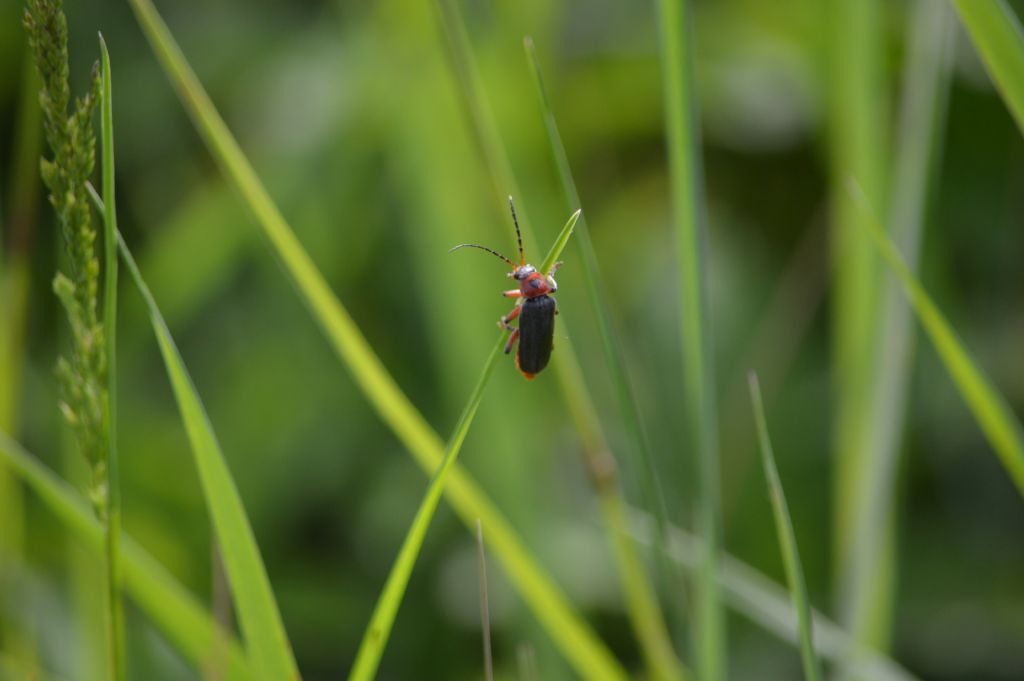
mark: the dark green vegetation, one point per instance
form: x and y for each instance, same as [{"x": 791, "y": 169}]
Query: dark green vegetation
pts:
[{"x": 289, "y": 178}]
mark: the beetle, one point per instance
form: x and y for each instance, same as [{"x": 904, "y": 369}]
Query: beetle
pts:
[{"x": 535, "y": 308}]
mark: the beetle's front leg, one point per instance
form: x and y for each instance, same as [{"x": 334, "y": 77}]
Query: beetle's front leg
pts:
[{"x": 512, "y": 293}]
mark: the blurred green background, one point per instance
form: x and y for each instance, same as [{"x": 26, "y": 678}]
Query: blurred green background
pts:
[{"x": 351, "y": 115}]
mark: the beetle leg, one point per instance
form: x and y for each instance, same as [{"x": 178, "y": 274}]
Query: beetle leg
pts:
[
  {"x": 513, "y": 293},
  {"x": 503, "y": 322},
  {"x": 554, "y": 268},
  {"x": 511, "y": 341}
]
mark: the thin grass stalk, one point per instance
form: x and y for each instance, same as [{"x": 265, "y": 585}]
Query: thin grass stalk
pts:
[
  {"x": 642, "y": 605},
  {"x": 787, "y": 538},
  {"x": 997, "y": 34},
  {"x": 686, "y": 181},
  {"x": 115, "y": 610},
  {"x": 866, "y": 581},
  {"x": 379, "y": 628},
  {"x": 166, "y": 602},
  {"x": 575, "y": 639}
]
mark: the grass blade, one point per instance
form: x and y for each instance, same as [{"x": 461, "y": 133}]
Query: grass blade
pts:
[
  {"x": 867, "y": 579},
  {"x": 767, "y": 604},
  {"x": 787, "y": 539},
  {"x": 993, "y": 415},
  {"x": 641, "y": 601},
  {"x": 689, "y": 219},
  {"x": 376, "y": 637},
  {"x": 168, "y": 604},
  {"x": 372, "y": 647},
  {"x": 576, "y": 640},
  {"x": 258, "y": 615},
  {"x": 115, "y": 612},
  {"x": 996, "y": 33}
]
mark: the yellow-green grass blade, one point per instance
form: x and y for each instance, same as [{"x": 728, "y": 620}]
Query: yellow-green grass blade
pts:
[
  {"x": 767, "y": 604},
  {"x": 379, "y": 629},
  {"x": 115, "y": 611},
  {"x": 641, "y": 601},
  {"x": 996, "y": 33},
  {"x": 165, "y": 601},
  {"x": 259, "y": 618},
  {"x": 787, "y": 538},
  {"x": 866, "y": 580},
  {"x": 689, "y": 219},
  {"x": 567, "y": 629},
  {"x": 997, "y": 421}
]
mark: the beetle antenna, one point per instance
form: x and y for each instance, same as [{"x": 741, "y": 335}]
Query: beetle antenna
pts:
[
  {"x": 483, "y": 248},
  {"x": 519, "y": 237}
]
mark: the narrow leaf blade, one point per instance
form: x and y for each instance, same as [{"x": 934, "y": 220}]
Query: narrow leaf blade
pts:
[
  {"x": 376, "y": 637},
  {"x": 997, "y": 421},
  {"x": 787, "y": 539},
  {"x": 259, "y": 617}
]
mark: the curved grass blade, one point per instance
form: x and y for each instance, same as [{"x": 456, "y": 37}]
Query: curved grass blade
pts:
[
  {"x": 376, "y": 637},
  {"x": 258, "y": 615},
  {"x": 571, "y": 634},
  {"x": 767, "y": 604},
  {"x": 997, "y": 34},
  {"x": 641, "y": 601},
  {"x": 997, "y": 421},
  {"x": 115, "y": 611},
  {"x": 164, "y": 600},
  {"x": 686, "y": 178},
  {"x": 787, "y": 539}
]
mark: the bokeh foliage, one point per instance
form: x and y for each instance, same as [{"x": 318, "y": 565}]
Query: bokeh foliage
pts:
[{"x": 352, "y": 117}]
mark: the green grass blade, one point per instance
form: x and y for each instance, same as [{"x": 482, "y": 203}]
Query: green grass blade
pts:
[
  {"x": 115, "y": 611},
  {"x": 997, "y": 421},
  {"x": 996, "y": 33},
  {"x": 767, "y": 604},
  {"x": 563, "y": 238},
  {"x": 866, "y": 581},
  {"x": 573, "y": 636},
  {"x": 379, "y": 629},
  {"x": 167, "y": 604},
  {"x": 258, "y": 615},
  {"x": 787, "y": 539},
  {"x": 641, "y": 601},
  {"x": 689, "y": 220}
]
